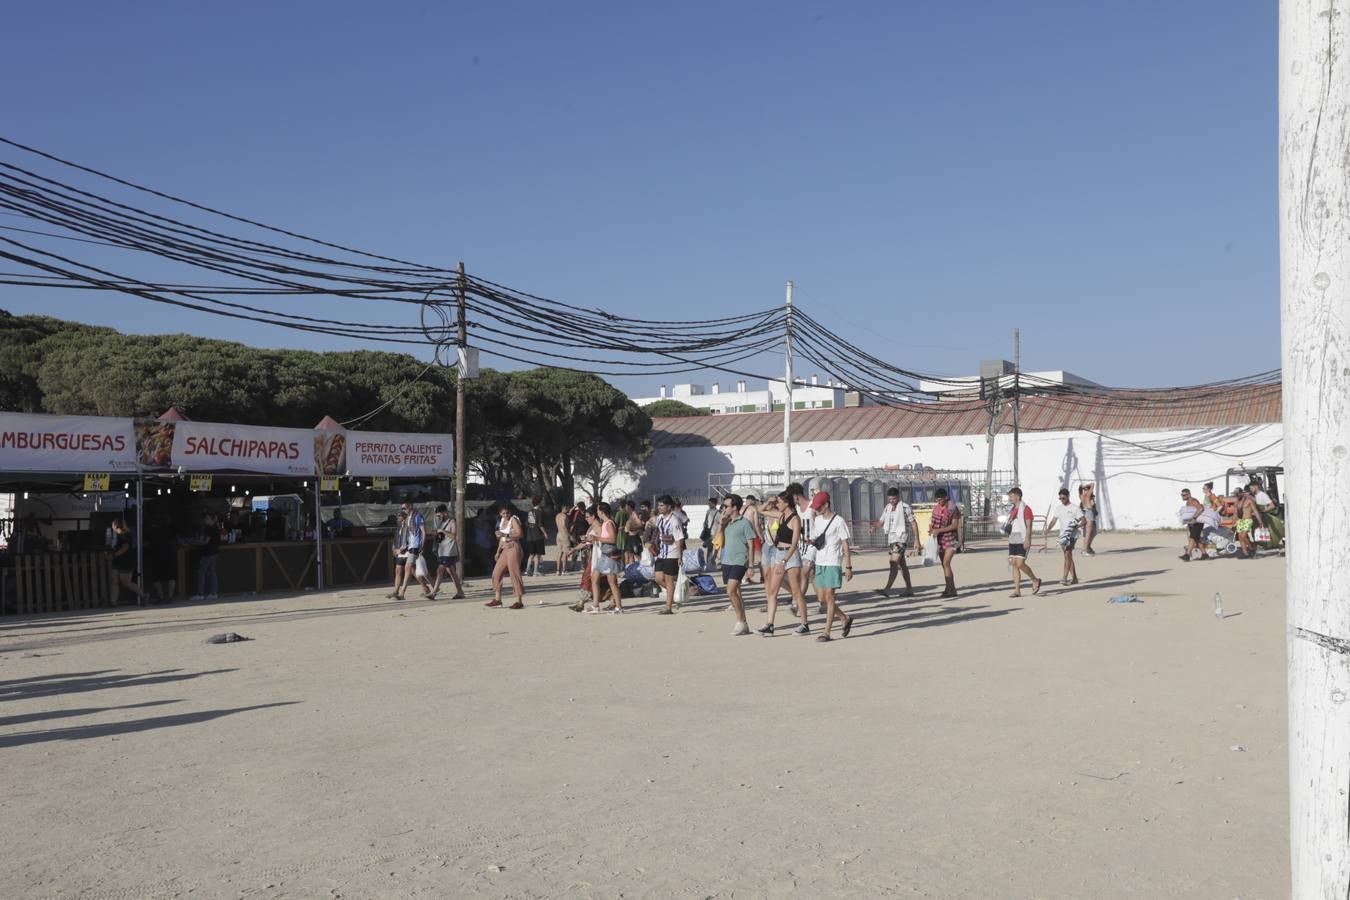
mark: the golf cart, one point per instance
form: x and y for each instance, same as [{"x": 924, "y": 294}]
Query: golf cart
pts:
[{"x": 1269, "y": 476}]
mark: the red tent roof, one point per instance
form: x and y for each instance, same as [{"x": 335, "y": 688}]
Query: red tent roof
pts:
[
  {"x": 173, "y": 414},
  {"x": 328, "y": 423}
]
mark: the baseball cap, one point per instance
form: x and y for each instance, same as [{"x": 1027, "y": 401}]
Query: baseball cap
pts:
[{"x": 820, "y": 500}]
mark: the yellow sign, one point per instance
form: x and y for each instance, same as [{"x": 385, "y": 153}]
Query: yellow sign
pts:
[
  {"x": 380, "y": 482},
  {"x": 199, "y": 482},
  {"x": 328, "y": 484},
  {"x": 97, "y": 481}
]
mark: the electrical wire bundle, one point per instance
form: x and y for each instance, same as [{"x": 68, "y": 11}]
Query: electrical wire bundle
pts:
[
  {"x": 507, "y": 323},
  {"x": 891, "y": 385},
  {"x": 252, "y": 275}
]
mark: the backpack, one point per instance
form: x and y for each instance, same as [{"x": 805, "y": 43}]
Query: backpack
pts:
[{"x": 704, "y": 583}]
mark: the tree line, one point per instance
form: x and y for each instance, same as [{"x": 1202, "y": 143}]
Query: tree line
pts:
[{"x": 527, "y": 431}]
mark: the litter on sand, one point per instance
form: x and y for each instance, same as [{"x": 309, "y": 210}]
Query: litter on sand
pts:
[
  {"x": 226, "y": 637},
  {"x": 1125, "y": 598}
]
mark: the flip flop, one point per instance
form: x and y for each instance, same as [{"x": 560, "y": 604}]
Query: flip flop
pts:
[
  {"x": 1036, "y": 588},
  {"x": 823, "y": 638},
  {"x": 1016, "y": 594},
  {"x": 493, "y": 603},
  {"x": 516, "y": 605},
  {"x": 848, "y": 625},
  {"x": 665, "y": 612}
]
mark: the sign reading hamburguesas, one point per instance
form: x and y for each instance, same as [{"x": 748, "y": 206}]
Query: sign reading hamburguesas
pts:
[{"x": 39, "y": 443}]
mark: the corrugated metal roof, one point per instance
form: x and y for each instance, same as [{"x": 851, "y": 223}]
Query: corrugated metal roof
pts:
[{"x": 1105, "y": 411}]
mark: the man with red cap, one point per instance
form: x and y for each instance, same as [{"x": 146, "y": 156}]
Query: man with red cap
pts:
[{"x": 834, "y": 561}]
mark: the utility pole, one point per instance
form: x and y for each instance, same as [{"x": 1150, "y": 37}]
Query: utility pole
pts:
[
  {"x": 995, "y": 407},
  {"x": 1017, "y": 402},
  {"x": 787, "y": 401},
  {"x": 461, "y": 464},
  {"x": 1314, "y": 115}
]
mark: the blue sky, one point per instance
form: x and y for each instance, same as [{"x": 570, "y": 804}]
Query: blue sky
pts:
[{"x": 930, "y": 175}]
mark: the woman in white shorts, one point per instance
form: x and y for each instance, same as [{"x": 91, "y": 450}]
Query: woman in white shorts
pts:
[{"x": 783, "y": 560}]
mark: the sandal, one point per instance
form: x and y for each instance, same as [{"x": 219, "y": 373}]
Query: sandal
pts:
[
  {"x": 665, "y": 612},
  {"x": 1016, "y": 594},
  {"x": 493, "y": 603},
  {"x": 823, "y": 638},
  {"x": 1036, "y": 586},
  {"x": 848, "y": 625},
  {"x": 516, "y": 605}
]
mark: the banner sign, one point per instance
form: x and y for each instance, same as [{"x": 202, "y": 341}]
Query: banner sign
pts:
[
  {"x": 203, "y": 446},
  {"x": 201, "y": 483},
  {"x": 40, "y": 443},
  {"x": 328, "y": 485},
  {"x": 98, "y": 445},
  {"x": 100, "y": 481},
  {"x": 371, "y": 452}
]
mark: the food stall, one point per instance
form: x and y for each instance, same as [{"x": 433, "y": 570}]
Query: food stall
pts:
[
  {"x": 55, "y": 555},
  {"x": 265, "y": 484}
]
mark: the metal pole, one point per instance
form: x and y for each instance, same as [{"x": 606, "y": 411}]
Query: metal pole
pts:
[
  {"x": 318, "y": 532},
  {"x": 461, "y": 465},
  {"x": 1314, "y": 178},
  {"x": 989, "y": 466},
  {"x": 787, "y": 401},
  {"x": 140, "y": 539},
  {"x": 1017, "y": 402}
]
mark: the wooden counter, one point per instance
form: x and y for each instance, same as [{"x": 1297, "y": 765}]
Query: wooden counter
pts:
[{"x": 289, "y": 565}]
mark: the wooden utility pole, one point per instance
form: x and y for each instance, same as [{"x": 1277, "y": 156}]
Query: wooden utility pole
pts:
[
  {"x": 1314, "y": 172},
  {"x": 461, "y": 373}
]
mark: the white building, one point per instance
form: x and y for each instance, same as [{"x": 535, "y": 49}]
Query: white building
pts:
[
  {"x": 1139, "y": 450},
  {"x": 806, "y": 394}
]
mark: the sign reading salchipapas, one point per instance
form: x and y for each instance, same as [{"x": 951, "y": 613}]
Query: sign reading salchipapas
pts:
[
  {"x": 38, "y": 443},
  {"x": 400, "y": 455},
  {"x": 204, "y": 446}
]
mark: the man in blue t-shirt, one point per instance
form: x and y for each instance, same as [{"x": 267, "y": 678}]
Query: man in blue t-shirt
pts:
[{"x": 737, "y": 533}]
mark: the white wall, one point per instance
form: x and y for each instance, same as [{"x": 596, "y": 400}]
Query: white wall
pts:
[{"x": 1138, "y": 487}]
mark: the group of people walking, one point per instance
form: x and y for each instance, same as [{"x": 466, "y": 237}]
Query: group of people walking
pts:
[{"x": 795, "y": 543}]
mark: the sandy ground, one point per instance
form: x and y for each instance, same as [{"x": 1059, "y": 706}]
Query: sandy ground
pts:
[{"x": 1050, "y": 746}]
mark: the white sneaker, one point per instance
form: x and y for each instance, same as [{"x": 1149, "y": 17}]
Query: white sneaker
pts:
[
  {"x": 211, "y": 598},
  {"x": 741, "y": 628},
  {"x": 195, "y": 598}
]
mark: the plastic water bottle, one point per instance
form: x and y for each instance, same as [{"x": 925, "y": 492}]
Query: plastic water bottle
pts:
[{"x": 1218, "y": 605}]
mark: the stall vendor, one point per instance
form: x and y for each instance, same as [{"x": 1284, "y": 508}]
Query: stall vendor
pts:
[{"x": 338, "y": 526}]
